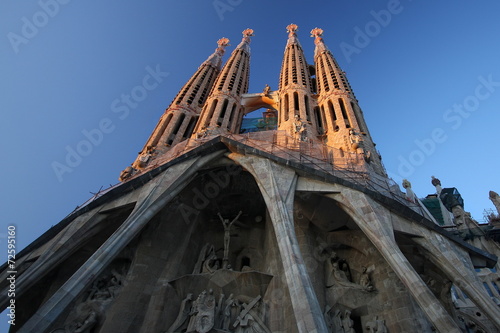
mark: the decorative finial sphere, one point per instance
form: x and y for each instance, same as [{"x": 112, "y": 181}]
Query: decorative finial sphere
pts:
[
  {"x": 291, "y": 28},
  {"x": 223, "y": 42},
  {"x": 435, "y": 181},
  {"x": 316, "y": 32},
  {"x": 247, "y": 32}
]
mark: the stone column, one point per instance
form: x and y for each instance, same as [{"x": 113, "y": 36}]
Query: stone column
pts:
[
  {"x": 376, "y": 224},
  {"x": 161, "y": 190},
  {"x": 460, "y": 270},
  {"x": 277, "y": 185}
]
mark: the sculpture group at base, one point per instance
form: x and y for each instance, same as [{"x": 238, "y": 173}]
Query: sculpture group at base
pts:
[
  {"x": 245, "y": 315},
  {"x": 340, "y": 275}
]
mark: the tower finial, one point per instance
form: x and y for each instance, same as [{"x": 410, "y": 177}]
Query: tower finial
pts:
[
  {"x": 216, "y": 58},
  {"x": 317, "y": 32},
  {"x": 247, "y": 33},
  {"x": 291, "y": 29},
  {"x": 245, "y": 41},
  {"x": 223, "y": 42}
]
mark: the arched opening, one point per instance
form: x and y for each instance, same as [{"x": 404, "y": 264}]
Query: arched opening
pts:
[
  {"x": 259, "y": 120},
  {"x": 245, "y": 261}
]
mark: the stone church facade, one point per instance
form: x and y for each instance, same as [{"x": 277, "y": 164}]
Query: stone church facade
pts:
[{"x": 294, "y": 229}]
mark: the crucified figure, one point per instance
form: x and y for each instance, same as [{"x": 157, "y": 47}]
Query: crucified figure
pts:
[{"x": 227, "y": 236}]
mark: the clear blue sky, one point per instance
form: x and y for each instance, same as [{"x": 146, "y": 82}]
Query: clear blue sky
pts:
[{"x": 62, "y": 68}]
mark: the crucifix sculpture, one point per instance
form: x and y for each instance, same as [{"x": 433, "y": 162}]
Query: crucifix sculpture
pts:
[{"x": 227, "y": 237}]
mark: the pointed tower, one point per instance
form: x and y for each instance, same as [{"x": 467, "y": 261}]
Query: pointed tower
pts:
[
  {"x": 179, "y": 119},
  {"x": 339, "y": 115},
  {"x": 295, "y": 90},
  {"x": 223, "y": 111}
]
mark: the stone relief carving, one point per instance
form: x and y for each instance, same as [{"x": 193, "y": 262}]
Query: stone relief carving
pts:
[
  {"x": 126, "y": 173},
  {"x": 85, "y": 316},
  {"x": 333, "y": 322},
  {"x": 340, "y": 275},
  {"x": 376, "y": 325},
  {"x": 364, "y": 280},
  {"x": 227, "y": 236},
  {"x": 228, "y": 315},
  {"x": 183, "y": 315},
  {"x": 300, "y": 129},
  {"x": 347, "y": 322},
  {"x": 337, "y": 322}
]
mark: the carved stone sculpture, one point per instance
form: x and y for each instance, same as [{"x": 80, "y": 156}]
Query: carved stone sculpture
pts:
[
  {"x": 376, "y": 325},
  {"x": 364, "y": 280},
  {"x": 202, "y": 313},
  {"x": 266, "y": 90},
  {"x": 126, "y": 173},
  {"x": 410, "y": 195},
  {"x": 249, "y": 320},
  {"x": 227, "y": 237},
  {"x": 333, "y": 322},
  {"x": 344, "y": 266},
  {"x": 495, "y": 198},
  {"x": 183, "y": 315},
  {"x": 347, "y": 322}
]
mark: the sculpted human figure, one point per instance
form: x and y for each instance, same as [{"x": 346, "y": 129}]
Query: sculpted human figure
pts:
[
  {"x": 328, "y": 318},
  {"x": 381, "y": 328},
  {"x": 344, "y": 266},
  {"x": 195, "y": 309},
  {"x": 410, "y": 195},
  {"x": 364, "y": 280},
  {"x": 227, "y": 236},
  {"x": 337, "y": 322},
  {"x": 347, "y": 322},
  {"x": 266, "y": 90},
  {"x": 376, "y": 325},
  {"x": 226, "y": 313},
  {"x": 355, "y": 139},
  {"x": 183, "y": 315},
  {"x": 87, "y": 324}
]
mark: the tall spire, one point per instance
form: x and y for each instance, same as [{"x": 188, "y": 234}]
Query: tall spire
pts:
[
  {"x": 179, "y": 119},
  {"x": 223, "y": 111},
  {"x": 340, "y": 117},
  {"x": 295, "y": 89}
]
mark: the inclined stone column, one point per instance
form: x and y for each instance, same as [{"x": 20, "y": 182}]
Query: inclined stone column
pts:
[
  {"x": 165, "y": 188},
  {"x": 376, "y": 225},
  {"x": 460, "y": 270},
  {"x": 277, "y": 185}
]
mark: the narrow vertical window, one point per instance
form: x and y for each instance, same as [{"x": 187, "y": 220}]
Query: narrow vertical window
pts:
[
  {"x": 189, "y": 128},
  {"x": 229, "y": 122},
  {"x": 210, "y": 113},
  {"x": 319, "y": 121},
  {"x": 344, "y": 113},
  {"x": 296, "y": 103},
  {"x": 306, "y": 102},
  {"x": 222, "y": 112},
  {"x": 176, "y": 128},
  {"x": 355, "y": 111},
  {"x": 285, "y": 107},
  {"x": 161, "y": 130}
]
